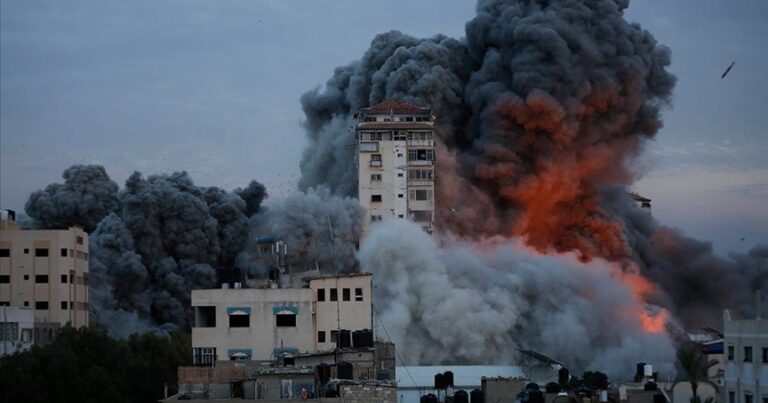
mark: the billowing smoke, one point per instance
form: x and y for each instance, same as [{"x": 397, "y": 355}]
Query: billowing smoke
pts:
[
  {"x": 477, "y": 302},
  {"x": 541, "y": 109},
  {"x": 317, "y": 228},
  {"x": 162, "y": 236},
  {"x": 85, "y": 197}
]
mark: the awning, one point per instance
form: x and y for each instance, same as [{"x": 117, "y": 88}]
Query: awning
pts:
[
  {"x": 285, "y": 350},
  {"x": 285, "y": 310},
  {"x": 238, "y": 310},
  {"x": 239, "y": 352}
]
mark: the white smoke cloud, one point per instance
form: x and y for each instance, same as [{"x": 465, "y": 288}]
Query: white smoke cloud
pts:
[{"x": 463, "y": 302}]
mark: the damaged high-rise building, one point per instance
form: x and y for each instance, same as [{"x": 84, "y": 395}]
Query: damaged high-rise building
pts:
[{"x": 396, "y": 159}]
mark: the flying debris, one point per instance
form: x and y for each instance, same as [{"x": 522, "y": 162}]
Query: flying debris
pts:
[{"x": 725, "y": 73}]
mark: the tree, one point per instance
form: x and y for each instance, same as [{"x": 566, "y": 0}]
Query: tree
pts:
[{"x": 694, "y": 364}]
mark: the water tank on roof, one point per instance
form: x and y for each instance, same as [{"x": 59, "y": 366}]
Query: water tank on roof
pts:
[
  {"x": 448, "y": 379},
  {"x": 344, "y": 370},
  {"x": 476, "y": 396},
  {"x": 344, "y": 339},
  {"x": 648, "y": 370},
  {"x": 639, "y": 369},
  {"x": 439, "y": 381},
  {"x": 428, "y": 398},
  {"x": 460, "y": 396}
]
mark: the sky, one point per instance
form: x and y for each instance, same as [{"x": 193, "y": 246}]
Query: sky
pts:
[{"x": 213, "y": 88}]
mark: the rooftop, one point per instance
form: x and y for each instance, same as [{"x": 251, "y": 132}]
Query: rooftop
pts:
[
  {"x": 397, "y": 107},
  {"x": 463, "y": 375}
]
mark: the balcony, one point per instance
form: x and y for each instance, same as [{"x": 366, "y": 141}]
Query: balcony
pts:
[{"x": 375, "y": 163}]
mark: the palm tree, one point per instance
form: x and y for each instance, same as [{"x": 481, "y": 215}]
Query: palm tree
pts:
[{"x": 694, "y": 364}]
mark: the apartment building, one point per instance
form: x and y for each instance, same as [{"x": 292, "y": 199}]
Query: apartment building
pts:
[
  {"x": 396, "y": 163},
  {"x": 746, "y": 365},
  {"x": 46, "y": 271}
]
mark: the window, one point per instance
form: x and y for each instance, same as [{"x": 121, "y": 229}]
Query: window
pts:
[
  {"x": 420, "y": 174},
  {"x": 334, "y": 335},
  {"x": 399, "y": 174},
  {"x": 41, "y": 279},
  {"x": 5, "y": 303},
  {"x": 375, "y": 177},
  {"x": 399, "y": 195},
  {"x": 369, "y": 147},
  {"x": 203, "y": 356},
  {"x": 239, "y": 320},
  {"x": 730, "y": 353},
  {"x": 71, "y": 253},
  {"x": 421, "y": 154},
  {"x": 765, "y": 356},
  {"x": 747, "y": 398},
  {"x": 63, "y": 252},
  {"x": 41, "y": 252},
  {"x": 205, "y": 316},
  {"x": 375, "y": 198},
  {"x": 731, "y": 396},
  {"x": 420, "y": 194},
  {"x": 5, "y": 279},
  {"x": 375, "y": 218},
  {"x": 63, "y": 279},
  {"x": 9, "y": 331},
  {"x": 321, "y": 294},
  {"x": 79, "y": 240},
  {"x": 345, "y": 294},
  {"x": 358, "y": 294},
  {"x": 26, "y": 251},
  {"x": 747, "y": 353},
  {"x": 375, "y": 160},
  {"x": 285, "y": 320},
  {"x": 26, "y": 303},
  {"x": 400, "y": 216},
  {"x": 26, "y": 277},
  {"x": 421, "y": 216},
  {"x": 334, "y": 294},
  {"x": 321, "y": 336},
  {"x": 64, "y": 305},
  {"x": 41, "y": 305},
  {"x": 5, "y": 252}
]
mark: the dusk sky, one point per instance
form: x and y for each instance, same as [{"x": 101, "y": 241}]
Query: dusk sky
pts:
[{"x": 213, "y": 88}]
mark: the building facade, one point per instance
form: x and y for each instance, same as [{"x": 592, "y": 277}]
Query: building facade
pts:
[
  {"x": 396, "y": 163},
  {"x": 266, "y": 324},
  {"x": 746, "y": 365},
  {"x": 46, "y": 271},
  {"x": 17, "y": 327}
]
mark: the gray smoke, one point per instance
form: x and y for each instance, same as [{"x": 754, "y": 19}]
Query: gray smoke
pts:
[
  {"x": 86, "y": 196},
  {"x": 151, "y": 243},
  {"x": 316, "y": 226},
  {"x": 473, "y": 303}
]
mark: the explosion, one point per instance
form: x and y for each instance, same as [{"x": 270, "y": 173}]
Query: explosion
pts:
[{"x": 541, "y": 109}]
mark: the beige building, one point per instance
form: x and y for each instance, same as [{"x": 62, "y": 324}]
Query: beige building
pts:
[
  {"x": 746, "y": 352},
  {"x": 396, "y": 163},
  {"x": 45, "y": 270},
  {"x": 264, "y": 324}
]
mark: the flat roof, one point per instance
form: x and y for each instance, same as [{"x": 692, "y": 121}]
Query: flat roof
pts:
[{"x": 409, "y": 377}]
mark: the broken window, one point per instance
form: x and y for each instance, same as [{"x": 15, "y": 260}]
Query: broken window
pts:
[
  {"x": 420, "y": 194},
  {"x": 239, "y": 321}
]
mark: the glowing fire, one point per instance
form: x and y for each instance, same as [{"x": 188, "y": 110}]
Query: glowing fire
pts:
[{"x": 654, "y": 323}]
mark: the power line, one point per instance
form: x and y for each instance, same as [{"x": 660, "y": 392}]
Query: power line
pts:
[{"x": 397, "y": 353}]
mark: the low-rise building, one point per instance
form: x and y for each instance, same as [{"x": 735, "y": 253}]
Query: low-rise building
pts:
[
  {"x": 17, "y": 327},
  {"x": 268, "y": 324}
]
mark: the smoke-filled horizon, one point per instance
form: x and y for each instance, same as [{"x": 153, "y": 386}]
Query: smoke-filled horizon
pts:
[{"x": 542, "y": 108}]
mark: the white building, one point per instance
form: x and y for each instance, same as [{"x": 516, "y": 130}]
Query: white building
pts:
[
  {"x": 16, "y": 329},
  {"x": 746, "y": 351},
  {"x": 262, "y": 324},
  {"x": 396, "y": 163},
  {"x": 46, "y": 271}
]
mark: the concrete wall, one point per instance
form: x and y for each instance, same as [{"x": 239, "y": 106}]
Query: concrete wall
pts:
[
  {"x": 67, "y": 298},
  {"x": 262, "y": 336},
  {"x": 333, "y": 315},
  {"x": 745, "y": 377},
  {"x": 367, "y": 394}
]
